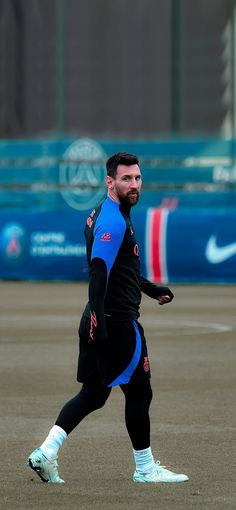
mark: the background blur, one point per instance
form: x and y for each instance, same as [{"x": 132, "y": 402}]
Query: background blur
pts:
[
  {"x": 80, "y": 80},
  {"x": 142, "y": 68}
]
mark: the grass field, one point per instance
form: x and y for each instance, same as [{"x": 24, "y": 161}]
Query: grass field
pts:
[{"x": 193, "y": 362}]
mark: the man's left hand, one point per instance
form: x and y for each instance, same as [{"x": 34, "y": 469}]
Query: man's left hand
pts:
[
  {"x": 164, "y": 299},
  {"x": 165, "y": 296}
]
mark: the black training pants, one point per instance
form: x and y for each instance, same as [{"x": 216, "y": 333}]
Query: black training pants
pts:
[{"x": 138, "y": 396}]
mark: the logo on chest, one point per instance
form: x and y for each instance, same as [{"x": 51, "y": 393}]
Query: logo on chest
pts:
[{"x": 106, "y": 237}]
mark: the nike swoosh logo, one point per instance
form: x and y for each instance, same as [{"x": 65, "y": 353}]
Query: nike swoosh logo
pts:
[{"x": 216, "y": 254}]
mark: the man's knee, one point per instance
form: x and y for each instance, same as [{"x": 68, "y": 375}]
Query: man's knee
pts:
[
  {"x": 145, "y": 394},
  {"x": 140, "y": 392},
  {"x": 96, "y": 396},
  {"x": 148, "y": 394}
]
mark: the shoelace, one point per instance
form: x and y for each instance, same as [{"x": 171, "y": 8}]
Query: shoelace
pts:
[
  {"x": 54, "y": 472},
  {"x": 53, "y": 465},
  {"x": 160, "y": 467}
]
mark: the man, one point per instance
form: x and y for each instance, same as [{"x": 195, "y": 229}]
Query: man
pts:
[{"x": 113, "y": 348}]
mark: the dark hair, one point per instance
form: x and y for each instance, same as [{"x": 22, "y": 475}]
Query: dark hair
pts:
[{"x": 121, "y": 158}]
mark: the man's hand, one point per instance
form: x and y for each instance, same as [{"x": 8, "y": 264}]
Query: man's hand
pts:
[
  {"x": 165, "y": 296},
  {"x": 164, "y": 299}
]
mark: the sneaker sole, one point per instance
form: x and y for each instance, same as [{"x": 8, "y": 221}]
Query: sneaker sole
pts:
[{"x": 160, "y": 481}]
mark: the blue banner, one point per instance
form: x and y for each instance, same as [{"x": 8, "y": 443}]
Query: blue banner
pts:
[
  {"x": 43, "y": 246},
  {"x": 182, "y": 246},
  {"x": 201, "y": 246},
  {"x": 191, "y": 246}
]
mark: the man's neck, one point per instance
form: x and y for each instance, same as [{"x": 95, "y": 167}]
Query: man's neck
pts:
[{"x": 113, "y": 196}]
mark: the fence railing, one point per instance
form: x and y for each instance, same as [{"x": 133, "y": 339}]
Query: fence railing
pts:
[{"x": 58, "y": 174}]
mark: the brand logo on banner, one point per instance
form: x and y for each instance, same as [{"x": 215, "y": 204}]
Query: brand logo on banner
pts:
[
  {"x": 82, "y": 174},
  {"x": 216, "y": 254},
  {"x": 13, "y": 243}
]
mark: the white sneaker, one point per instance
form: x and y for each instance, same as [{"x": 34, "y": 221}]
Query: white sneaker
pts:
[
  {"x": 159, "y": 474},
  {"x": 46, "y": 469}
]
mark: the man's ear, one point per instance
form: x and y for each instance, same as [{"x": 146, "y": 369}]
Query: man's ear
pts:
[{"x": 109, "y": 182}]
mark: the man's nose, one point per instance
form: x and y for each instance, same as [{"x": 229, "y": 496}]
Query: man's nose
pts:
[{"x": 133, "y": 183}]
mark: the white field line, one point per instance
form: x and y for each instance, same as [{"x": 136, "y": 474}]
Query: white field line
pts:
[{"x": 177, "y": 326}]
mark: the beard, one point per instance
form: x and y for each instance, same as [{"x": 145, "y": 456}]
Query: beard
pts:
[{"x": 130, "y": 199}]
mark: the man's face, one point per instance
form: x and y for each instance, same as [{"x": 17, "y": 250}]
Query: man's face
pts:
[{"x": 126, "y": 186}]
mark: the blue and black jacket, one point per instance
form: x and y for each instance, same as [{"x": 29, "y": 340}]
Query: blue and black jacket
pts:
[{"x": 115, "y": 282}]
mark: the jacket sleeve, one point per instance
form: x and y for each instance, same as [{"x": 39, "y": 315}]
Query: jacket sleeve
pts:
[
  {"x": 107, "y": 241},
  {"x": 154, "y": 291}
]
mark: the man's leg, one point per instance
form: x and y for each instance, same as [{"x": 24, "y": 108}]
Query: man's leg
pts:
[
  {"x": 43, "y": 459},
  {"x": 90, "y": 398},
  {"x": 138, "y": 396}
]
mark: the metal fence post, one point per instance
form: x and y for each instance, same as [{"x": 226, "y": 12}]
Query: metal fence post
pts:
[
  {"x": 59, "y": 66},
  {"x": 175, "y": 66}
]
